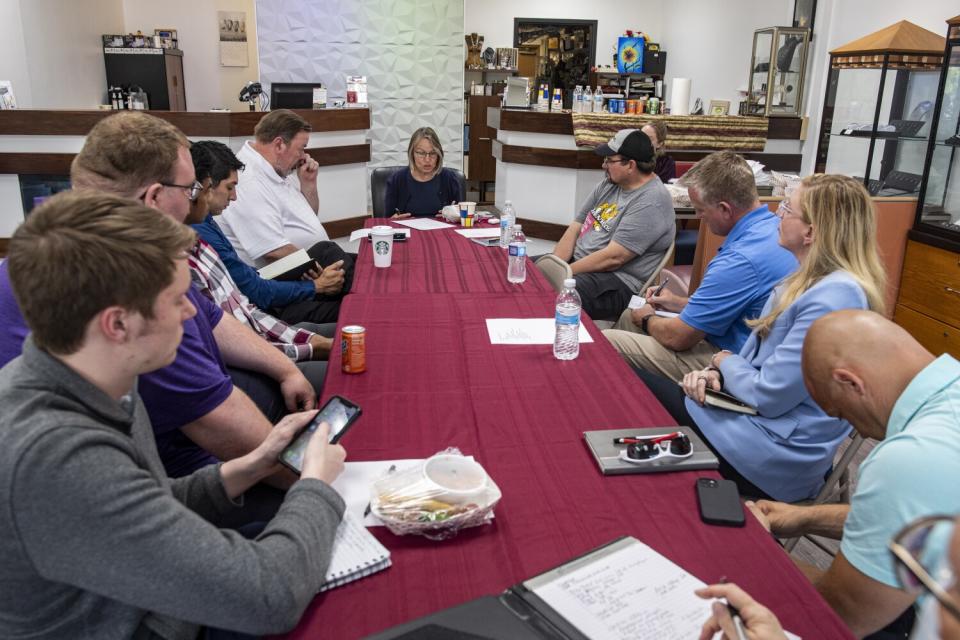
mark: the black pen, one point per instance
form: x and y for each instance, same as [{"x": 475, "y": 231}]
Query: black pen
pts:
[{"x": 659, "y": 290}]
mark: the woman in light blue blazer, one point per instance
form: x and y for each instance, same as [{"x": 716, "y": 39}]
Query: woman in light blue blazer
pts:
[{"x": 786, "y": 450}]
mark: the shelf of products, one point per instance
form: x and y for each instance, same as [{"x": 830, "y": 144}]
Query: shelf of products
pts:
[
  {"x": 777, "y": 69},
  {"x": 630, "y": 85}
]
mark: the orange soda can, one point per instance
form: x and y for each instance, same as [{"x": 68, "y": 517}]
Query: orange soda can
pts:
[{"x": 353, "y": 349}]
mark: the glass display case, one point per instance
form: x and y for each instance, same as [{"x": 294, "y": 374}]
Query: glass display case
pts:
[
  {"x": 938, "y": 208},
  {"x": 777, "y": 69},
  {"x": 878, "y": 108}
]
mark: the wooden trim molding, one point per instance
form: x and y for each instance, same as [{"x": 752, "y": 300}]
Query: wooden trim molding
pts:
[
  {"x": 562, "y": 123},
  {"x": 59, "y": 163},
  {"x": 587, "y": 159},
  {"x": 36, "y": 163},
  {"x": 347, "y": 154},
  {"x": 40, "y": 122}
]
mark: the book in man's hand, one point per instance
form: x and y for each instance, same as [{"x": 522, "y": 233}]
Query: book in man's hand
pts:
[{"x": 291, "y": 267}]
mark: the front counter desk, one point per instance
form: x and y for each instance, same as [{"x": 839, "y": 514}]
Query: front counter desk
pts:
[
  {"x": 547, "y": 176},
  {"x": 42, "y": 144}
]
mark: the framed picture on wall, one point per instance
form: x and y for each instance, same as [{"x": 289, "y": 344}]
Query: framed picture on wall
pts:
[
  {"x": 719, "y": 108},
  {"x": 803, "y": 14}
]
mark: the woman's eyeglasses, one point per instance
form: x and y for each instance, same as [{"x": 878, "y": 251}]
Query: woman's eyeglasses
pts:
[
  {"x": 920, "y": 563},
  {"x": 424, "y": 155}
]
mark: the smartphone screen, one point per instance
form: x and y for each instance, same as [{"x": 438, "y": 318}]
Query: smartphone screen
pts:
[{"x": 339, "y": 413}]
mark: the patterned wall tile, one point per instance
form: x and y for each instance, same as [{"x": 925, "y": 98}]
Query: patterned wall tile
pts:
[{"x": 410, "y": 50}]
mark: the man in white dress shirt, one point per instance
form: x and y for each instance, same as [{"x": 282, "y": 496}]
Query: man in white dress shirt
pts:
[{"x": 275, "y": 213}]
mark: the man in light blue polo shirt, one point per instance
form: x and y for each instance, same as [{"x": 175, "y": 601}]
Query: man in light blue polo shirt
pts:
[
  {"x": 734, "y": 288},
  {"x": 862, "y": 367}
]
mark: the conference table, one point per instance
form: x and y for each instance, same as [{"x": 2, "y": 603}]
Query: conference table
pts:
[{"x": 434, "y": 380}]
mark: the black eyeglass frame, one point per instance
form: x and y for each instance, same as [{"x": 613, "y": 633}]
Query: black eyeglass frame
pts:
[{"x": 193, "y": 191}]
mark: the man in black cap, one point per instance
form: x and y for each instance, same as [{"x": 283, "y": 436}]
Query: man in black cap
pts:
[{"x": 622, "y": 231}]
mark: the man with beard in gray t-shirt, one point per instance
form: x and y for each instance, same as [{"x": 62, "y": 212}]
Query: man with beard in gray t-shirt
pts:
[{"x": 622, "y": 231}]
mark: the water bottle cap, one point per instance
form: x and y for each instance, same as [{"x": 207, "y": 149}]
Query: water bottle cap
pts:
[
  {"x": 508, "y": 203},
  {"x": 570, "y": 283}
]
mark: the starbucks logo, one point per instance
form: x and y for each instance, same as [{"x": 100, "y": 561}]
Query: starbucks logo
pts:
[{"x": 382, "y": 247}]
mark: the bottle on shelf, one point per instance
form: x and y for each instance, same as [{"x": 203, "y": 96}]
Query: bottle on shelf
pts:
[
  {"x": 517, "y": 256},
  {"x": 566, "y": 342},
  {"x": 557, "y": 104},
  {"x": 598, "y": 100},
  {"x": 507, "y": 217},
  {"x": 587, "y": 100},
  {"x": 577, "y": 103}
]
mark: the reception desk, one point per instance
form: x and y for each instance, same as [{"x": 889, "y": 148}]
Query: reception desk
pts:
[
  {"x": 547, "y": 176},
  {"x": 39, "y": 142}
]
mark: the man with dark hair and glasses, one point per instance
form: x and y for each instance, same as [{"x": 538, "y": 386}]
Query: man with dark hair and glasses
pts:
[
  {"x": 623, "y": 229},
  {"x": 313, "y": 300},
  {"x": 862, "y": 367}
]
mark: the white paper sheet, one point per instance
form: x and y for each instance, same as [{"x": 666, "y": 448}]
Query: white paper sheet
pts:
[
  {"x": 424, "y": 224},
  {"x": 634, "y": 593},
  {"x": 526, "y": 331},
  {"x": 363, "y": 233},
  {"x": 480, "y": 233},
  {"x": 354, "y": 484},
  {"x": 667, "y": 314}
]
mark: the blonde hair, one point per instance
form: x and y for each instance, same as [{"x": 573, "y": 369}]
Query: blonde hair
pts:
[
  {"x": 842, "y": 215},
  {"x": 428, "y": 134}
]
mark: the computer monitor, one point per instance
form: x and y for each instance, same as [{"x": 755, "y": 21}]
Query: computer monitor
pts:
[{"x": 292, "y": 95}]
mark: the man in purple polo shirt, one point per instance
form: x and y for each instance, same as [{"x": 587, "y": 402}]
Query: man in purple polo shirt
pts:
[{"x": 198, "y": 415}]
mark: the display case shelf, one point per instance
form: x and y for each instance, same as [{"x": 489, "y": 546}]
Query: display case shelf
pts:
[
  {"x": 876, "y": 123},
  {"x": 777, "y": 68}
]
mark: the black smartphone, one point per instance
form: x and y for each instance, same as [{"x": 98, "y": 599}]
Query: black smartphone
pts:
[
  {"x": 719, "y": 502},
  {"x": 339, "y": 413},
  {"x": 398, "y": 236}
]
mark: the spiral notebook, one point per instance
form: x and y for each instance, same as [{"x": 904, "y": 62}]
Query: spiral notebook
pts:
[{"x": 356, "y": 554}]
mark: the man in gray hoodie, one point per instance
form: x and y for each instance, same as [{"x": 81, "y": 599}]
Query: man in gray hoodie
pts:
[{"x": 95, "y": 540}]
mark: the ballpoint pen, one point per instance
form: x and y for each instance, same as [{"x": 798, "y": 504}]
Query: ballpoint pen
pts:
[
  {"x": 659, "y": 289},
  {"x": 735, "y": 615},
  {"x": 649, "y": 439}
]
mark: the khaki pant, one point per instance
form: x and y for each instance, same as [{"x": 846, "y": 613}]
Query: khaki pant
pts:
[{"x": 645, "y": 352}]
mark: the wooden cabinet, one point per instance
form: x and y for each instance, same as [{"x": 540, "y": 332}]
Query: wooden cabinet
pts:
[
  {"x": 929, "y": 302},
  {"x": 159, "y": 72},
  {"x": 481, "y": 166}
]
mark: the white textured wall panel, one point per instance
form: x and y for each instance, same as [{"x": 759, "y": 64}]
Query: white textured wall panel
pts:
[{"x": 411, "y": 52}]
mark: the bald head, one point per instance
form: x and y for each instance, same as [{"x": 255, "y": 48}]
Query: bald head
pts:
[{"x": 856, "y": 365}]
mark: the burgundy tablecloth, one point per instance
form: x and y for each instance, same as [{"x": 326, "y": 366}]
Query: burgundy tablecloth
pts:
[
  {"x": 433, "y": 380},
  {"x": 440, "y": 261}
]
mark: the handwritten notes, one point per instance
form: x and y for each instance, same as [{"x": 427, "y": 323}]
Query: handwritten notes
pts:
[
  {"x": 526, "y": 331},
  {"x": 633, "y": 593}
]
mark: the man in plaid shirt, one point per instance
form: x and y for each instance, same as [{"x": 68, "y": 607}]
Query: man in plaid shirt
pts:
[{"x": 305, "y": 344}]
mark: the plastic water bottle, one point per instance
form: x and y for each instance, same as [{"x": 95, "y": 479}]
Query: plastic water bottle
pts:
[
  {"x": 566, "y": 342},
  {"x": 517, "y": 256},
  {"x": 507, "y": 217},
  {"x": 598, "y": 100},
  {"x": 578, "y": 99},
  {"x": 587, "y": 100}
]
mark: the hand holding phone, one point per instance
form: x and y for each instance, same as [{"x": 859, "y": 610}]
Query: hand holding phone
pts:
[
  {"x": 719, "y": 502},
  {"x": 322, "y": 460},
  {"x": 338, "y": 413}
]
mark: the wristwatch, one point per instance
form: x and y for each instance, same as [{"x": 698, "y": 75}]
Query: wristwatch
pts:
[{"x": 644, "y": 321}]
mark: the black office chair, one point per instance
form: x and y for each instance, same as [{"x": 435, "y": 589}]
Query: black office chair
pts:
[{"x": 378, "y": 188}]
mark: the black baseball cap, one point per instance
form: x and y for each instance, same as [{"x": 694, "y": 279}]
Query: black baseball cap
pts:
[{"x": 629, "y": 143}]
